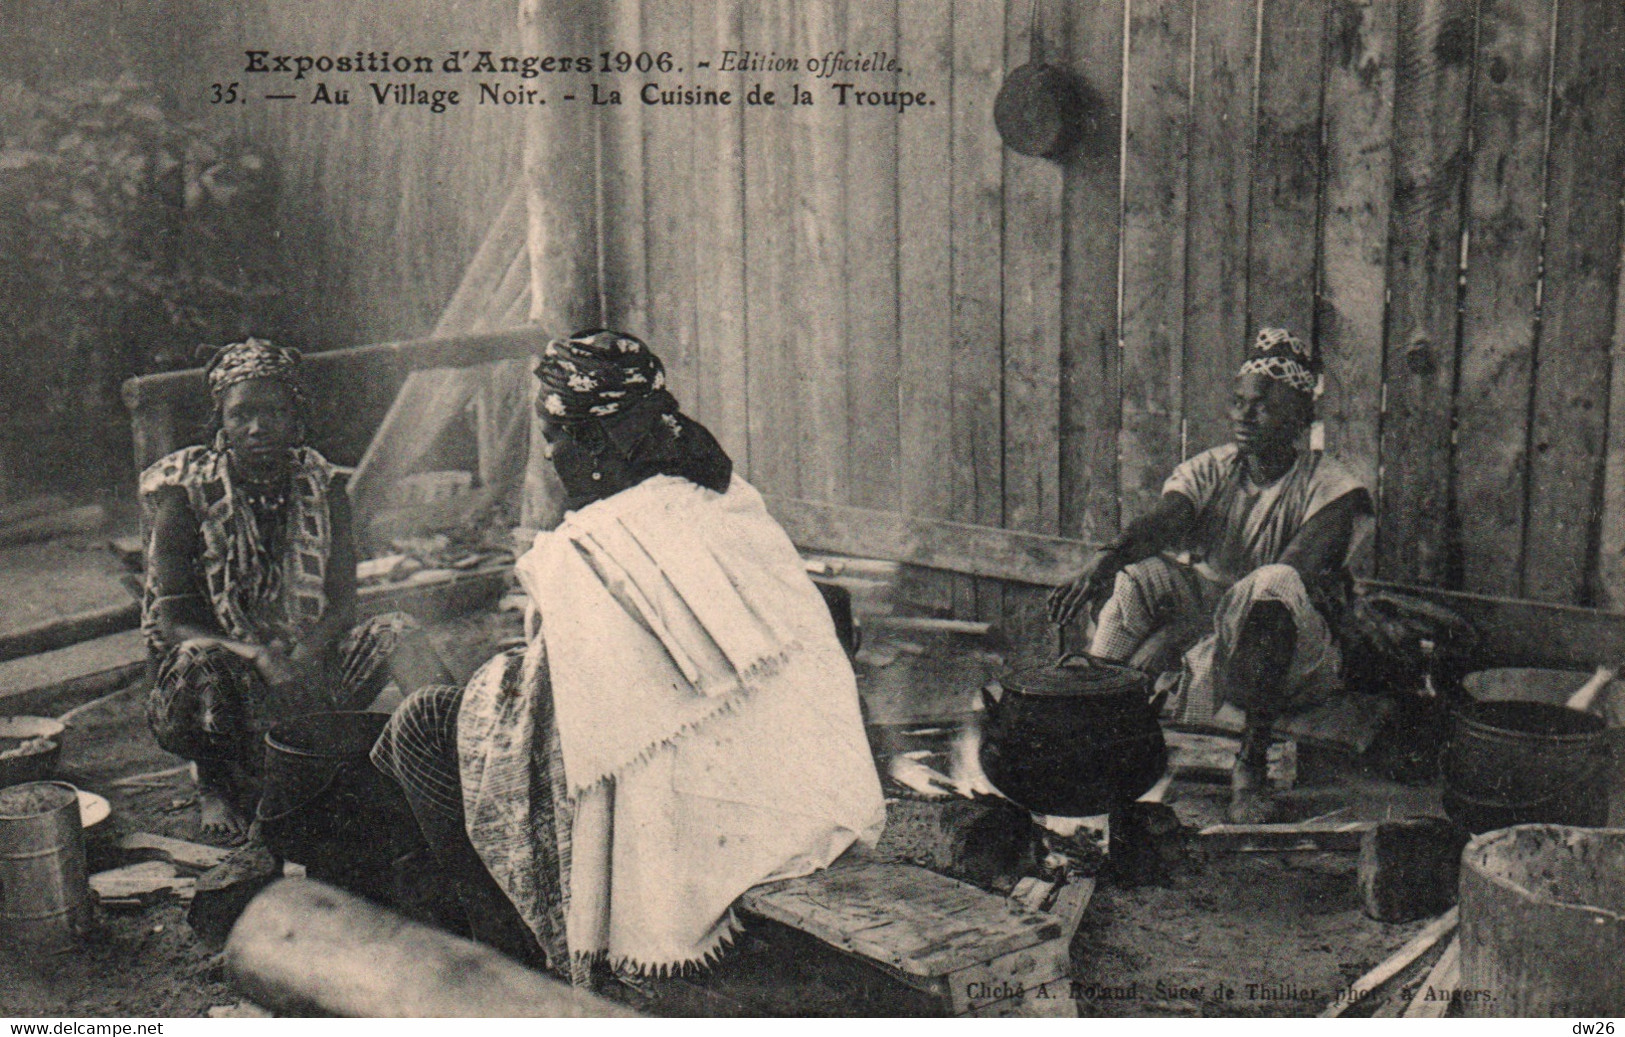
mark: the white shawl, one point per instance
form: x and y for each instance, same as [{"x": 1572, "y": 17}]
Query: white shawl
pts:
[{"x": 707, "y": 716}]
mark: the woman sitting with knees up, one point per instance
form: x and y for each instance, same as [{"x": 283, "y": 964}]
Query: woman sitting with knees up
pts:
[{"x": 249, "y": 609}]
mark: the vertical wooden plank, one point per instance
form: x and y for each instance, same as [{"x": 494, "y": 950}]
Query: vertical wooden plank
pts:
[
  {"x": 1611, "y": 546},
  {"x": 719, "y": 170},
  {"x": 1430, "y": 155},
  {"x": 1286, "y": 166},
  {"x": 1505, "y": 189},
  {"x": 1032, "y": 302},
  {"x": 1156, "y": 113},
  {"x": 820, "y": 343},
  {"x": 620, "y": 158},
  {"x": 1577, "y": 310},
  {"x": 925, "y": 50},
  {"x": 1222, "y": 130},
  {"x": 975, "y": 155},
  {"x": 670, "y": 209},
  {"x": 1091, "y": 372},
  {"x": 871, "y": 270},
  {"x": 769, "y": 298},
  {"x": 1359, "y": 116}
]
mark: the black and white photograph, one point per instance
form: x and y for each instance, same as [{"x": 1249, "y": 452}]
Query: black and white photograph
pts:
[{"x": 619, "y": 509}]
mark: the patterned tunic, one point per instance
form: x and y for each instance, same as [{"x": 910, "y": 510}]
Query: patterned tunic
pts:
[{"x": 258, "y": 590}]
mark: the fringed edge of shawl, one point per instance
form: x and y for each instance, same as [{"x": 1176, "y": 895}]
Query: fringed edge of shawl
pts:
[
  {"x": 750, "y": 682},
  {"x": 719, "y": 943}
]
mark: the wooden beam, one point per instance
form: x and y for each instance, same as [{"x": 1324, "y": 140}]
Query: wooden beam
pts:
[
  {"x": 1367, "y": 984},
  {"x": 1359, "y": 178},
  {"x": 1505, "y": 195},
  {"x": 1530, "y": 633},
  {"x": 1580, "y": 268},
  {"x": 1430, "y": 160},
  {"x": 999, "y": 554},
  {"x": 1091, "y": 377},
  {"x": 1222, "y": 129},
  {"x": 1156, "y": 109},
  {"x": 561, "y": 191}
]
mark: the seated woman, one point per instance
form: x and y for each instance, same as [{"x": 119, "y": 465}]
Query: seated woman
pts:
[
  {"x": 683, "y": 723},
  {"x": 1268, "y": 524},
  {"x": 250, "y": 603}
]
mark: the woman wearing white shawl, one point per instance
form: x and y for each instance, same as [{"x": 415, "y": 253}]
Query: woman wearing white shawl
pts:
[{"x": 683, "y": 723}]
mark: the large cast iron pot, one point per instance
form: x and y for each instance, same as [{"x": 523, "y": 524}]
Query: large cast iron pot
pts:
[{"x": 1072, "y": 739}]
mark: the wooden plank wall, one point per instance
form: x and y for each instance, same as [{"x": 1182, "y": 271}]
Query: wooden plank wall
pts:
[{"x": 899, "y": 314}]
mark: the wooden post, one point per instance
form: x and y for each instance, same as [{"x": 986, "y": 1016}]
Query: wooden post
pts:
[
  {"x": 561, "y": 178},
  {"x": 302, "y": 946}
]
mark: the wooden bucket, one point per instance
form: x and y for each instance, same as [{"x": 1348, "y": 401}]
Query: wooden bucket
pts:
[{"x": 1543, "y": 922}]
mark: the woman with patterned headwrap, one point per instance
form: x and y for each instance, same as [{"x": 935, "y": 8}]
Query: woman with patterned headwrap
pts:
[
  {"x": 683, "y": 722},
  {"x": 1267, "y": 523},
  {"x": 249, "y": 610}
]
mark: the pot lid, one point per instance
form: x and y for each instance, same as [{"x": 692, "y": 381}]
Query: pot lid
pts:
[{"x": 1075, "y": 676}]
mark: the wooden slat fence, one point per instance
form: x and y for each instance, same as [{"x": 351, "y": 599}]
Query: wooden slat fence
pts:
[{"x": 898, "y": 314}]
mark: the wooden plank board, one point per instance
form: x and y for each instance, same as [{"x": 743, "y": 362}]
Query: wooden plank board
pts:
[
  {"x": 1286, "y": 165},
  {"x": 977, "y": 306},
  {"x": 925, "y": 278},
  {"x": 1221, "y": 162},
  {"x": 871, "y": 284},
  {"x": 670, "y": 209},
  {"x": 1091, "y": 373},
  {"x": 978, "y": 987},
  {"x": 821, "y": 428},
  {"x": 1611, "y": 550},
  {"x": 1359, "y": 118},
  {"x": 1156, "y": 97},
  {"x": 719, "y": 253},
  {"x": 621, "y": 165},
  {"x": 980, "y": 551},
  {"x": 1032, "y": 304},
  {"x": 1430, "y": 141},
  {"x": 770, "y": 274},
  {"x": 1392, "y": 966},
  {"x": 1582, "y": 243},
  {"x": 1284, "y": 838},
  {"x": 1528, "y": 633},
  {"x": 1505, "y": 190},
  {"x": 1432, "y": 999},
  {"x": 916, "y": 921}
]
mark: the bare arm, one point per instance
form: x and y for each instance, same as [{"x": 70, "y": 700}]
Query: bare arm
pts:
[
  {"x": 183, "y": 611},
  {"x": 1318, "y": 549},
  {"x": 1163, "y": 527}
]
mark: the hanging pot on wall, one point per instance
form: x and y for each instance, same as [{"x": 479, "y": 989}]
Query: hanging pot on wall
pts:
[{"x": 1041, "y": 110}]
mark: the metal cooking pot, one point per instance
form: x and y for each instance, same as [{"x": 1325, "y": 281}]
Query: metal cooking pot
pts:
[{"x": 1074, "y": 738}]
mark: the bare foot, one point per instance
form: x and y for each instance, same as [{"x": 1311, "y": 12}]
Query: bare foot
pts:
[{"x": 219, "y": 820}]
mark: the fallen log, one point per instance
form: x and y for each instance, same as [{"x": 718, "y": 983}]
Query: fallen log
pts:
[{"x": 302, "y": 946}]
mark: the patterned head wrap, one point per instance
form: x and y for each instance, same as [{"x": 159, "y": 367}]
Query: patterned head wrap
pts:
[
  {"x": 1281, "y": 355},
  {"x": 249, "y": 359},
  {"x": 596, "y": 374}
]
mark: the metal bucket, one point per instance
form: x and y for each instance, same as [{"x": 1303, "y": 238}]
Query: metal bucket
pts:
[
  {"x": 1512, "y": 763},
  {"x": 44, "y": 892}
]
